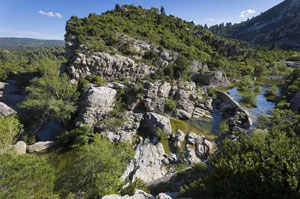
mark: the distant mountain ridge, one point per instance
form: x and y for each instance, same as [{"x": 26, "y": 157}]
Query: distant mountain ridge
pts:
[
  {"x": 16, "y": 42},
  {"x": 279, "y": 25}
]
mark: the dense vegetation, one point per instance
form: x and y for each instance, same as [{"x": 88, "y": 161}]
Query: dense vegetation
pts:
[
  {"x": 267, "y": 27},
  {"x": 106, "y": 32},
  {"x": 17, "y": 42}
]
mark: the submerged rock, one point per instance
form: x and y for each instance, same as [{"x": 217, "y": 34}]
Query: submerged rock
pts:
[{"x": 295, "y": 102}]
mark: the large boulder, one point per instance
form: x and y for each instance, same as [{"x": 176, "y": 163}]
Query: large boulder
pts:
[
  {"x": 98, "y": 102},
  {"x": 139, "y": 194},
  {"x": 107, "y": 66},
  {"x": 20, "y": 147},
  {"x": 148, "y": 162},
  {"x": 154, "y": 121},
  {"x": 295, "y": 102},
  {"x": 215, "y": 78},
  {"x": 40, "y": 146},
  {"x": 6, "y": 110}
]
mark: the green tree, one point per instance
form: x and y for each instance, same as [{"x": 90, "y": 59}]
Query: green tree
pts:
[
  {"x": 262, "y": 165},
  {"x": 98, "y": 168},
  {"x": 25, "y": 176},
  {"x": 51, "y": 96},
  {"x": 9, "y": 128}
]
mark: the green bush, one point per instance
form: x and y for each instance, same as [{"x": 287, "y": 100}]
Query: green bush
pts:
[
  {"x": 248, "y": 98},
  {"x": 75, "y": 138},
  {"x": 137, "y": 184},
  {"x": 272, "y": 91},
  {"x": 10, "y": 127},
  {"x": 223, "y": 127},
  {"x": 97, "y": 80},
  {"x": 26, "y": 176},
  {"x": 51, "y": 96},
  {"x": 171, "y": 106},
  {"x": 246, "y": 84},
  {"x": 161, "y": 134},
  {"x": 98, "y": 168}
]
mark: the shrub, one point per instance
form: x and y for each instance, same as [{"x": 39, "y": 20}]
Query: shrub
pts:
[
  {"x": 272, "y": 91},
  {"x": 51, "y": 96},
  {"x": 161, "y": 134},
  {"x": 246, "y": 84},
  {"x": 211, "y": 92},
  {"x": 26, "y": 176},
  {"x": 98, "y": 168},
  {"x": 97, "y": 80},
  {"x": 248, "y": 98},
  {"x": 10, "y": 127},
  {"x": 151, "y": 55},
  {"x": 76, "y": 137},
  {"x": 137, "y": 184},
  {"x": 223, "y": 127},
  {"x": 170, "y": 106}
]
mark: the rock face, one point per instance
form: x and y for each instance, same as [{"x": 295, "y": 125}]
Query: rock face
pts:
[
  {"x": 215, "y": 78},
  {"x": 139, "y": 194},
  {"x": 20, "y": 147},
  {"x": 295, "y": 102},
  {"x": 40, "y": 146},
  {"x": 107, "y": 66},
  {"x": 148, "y": 162},
  {"x": 6, "y": 110},
  {"x": 97, "y": 103},
  {"x": 292, "y": 63},
  {"x": 10, "y": 96},
  {"x": 153, "y": 121}
]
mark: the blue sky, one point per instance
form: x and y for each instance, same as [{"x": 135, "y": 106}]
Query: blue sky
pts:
[{"x": 45, "y": 19}]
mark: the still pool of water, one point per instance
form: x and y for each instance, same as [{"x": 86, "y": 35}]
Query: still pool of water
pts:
[
  {"x": 204, "y": 126},
  {"x": 263, "y": 105}
]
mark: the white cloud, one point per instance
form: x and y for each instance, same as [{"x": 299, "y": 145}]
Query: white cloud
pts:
[
  {"x": 247, "y": 12},
  {"x": 210, "y": 19},
  {"x": 50, "y": 14},
  {"x": 8, "y": 32}
]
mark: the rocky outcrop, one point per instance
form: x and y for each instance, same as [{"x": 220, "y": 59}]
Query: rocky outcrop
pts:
[
  {"x": 139, "y": 194},
  {"x": 107, "y": 66},
  {"x": 292, "y": 63},
  {"x": 97, "y": 103},
  {"x": 148, "y": 162},
  {"x": 154, "y": 121},
  {"x": 6, "y": 110},
  {"x": 215, "y": 78},
  {"x": 295, "y": 102},
  {"x": 10, "y": 96},
  {"x": 20, "y": 147},
  {"x": 40, "y": 146},
  {"x": 228, "y": 105}
]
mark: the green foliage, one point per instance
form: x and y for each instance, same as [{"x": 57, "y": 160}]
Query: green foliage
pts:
[
  {"x": 10, "y": 127},
  {"x": 25, "y": 176},
  {"x": 294, "y": 57},
  {"x": 223, "y": 127},
  {"x": 263, "y": 165},
  {"x": 161, "y": 134},
  {"x": 248, "y": 98},
  {"x": 51, "y": 96},
  {"x": 76, "y": 137},
  {"x": 211, "y": 92},
  {"x": 294, "y": 84},
  {"x": 97, "y": 80},
  {"x": 98, "y": 168},
  {"x": 246, "y": 84},
  {"x": 170, "y": 106},
  {"x": 137, "y": 184},
  {"x": 272, "y": 91}
]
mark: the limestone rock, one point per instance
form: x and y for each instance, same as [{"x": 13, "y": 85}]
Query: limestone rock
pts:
[
  {"x": 182, "y": 114},
  {"x": 20, "y": 147},
  {"x": 107, "y": 66},
  {"x": 148, "y": 162},
  {"x": 180, "y": 136},
  {"x": 215, "y": 78},
  {"x": 98, "y": 102},
  {"x": 139, "y": 194},
  {"x": 6, "y": 110},
  {"x": 40, "y": 146},
  {"x": 152, "y": 121}
]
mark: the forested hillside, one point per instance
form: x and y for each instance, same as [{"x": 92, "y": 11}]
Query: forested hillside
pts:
[
  {"x": 278, "y": 26},
  {"x": 27, "y": 42}
]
